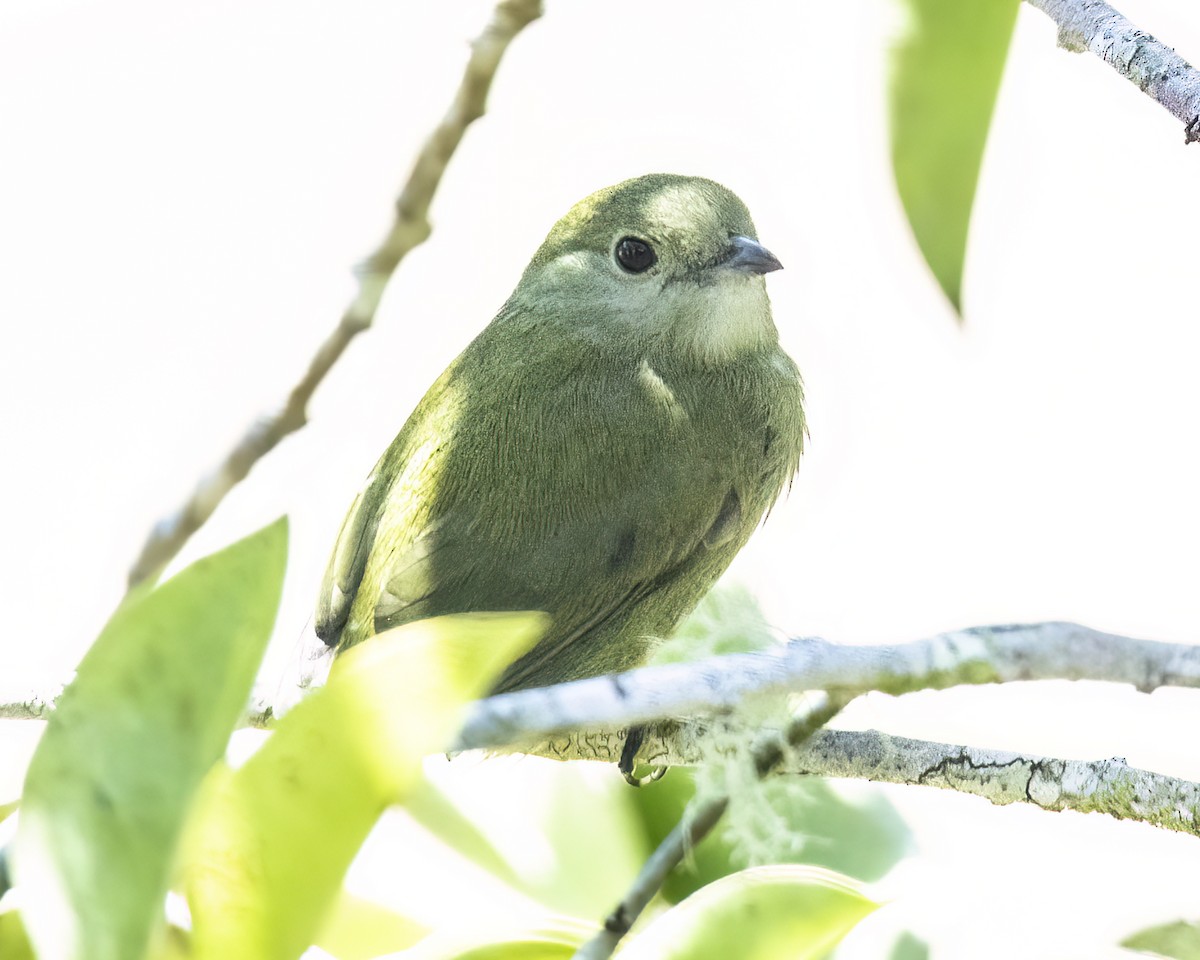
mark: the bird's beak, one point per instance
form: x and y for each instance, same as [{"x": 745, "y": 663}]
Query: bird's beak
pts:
[{"x": 750, "y": 257}]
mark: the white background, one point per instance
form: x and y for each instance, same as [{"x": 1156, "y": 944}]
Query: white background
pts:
[{"x": 184, "y": 188}]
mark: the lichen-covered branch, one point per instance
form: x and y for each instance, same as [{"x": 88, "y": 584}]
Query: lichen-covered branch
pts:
[
  {"x": 997, "y": 654},
  {"x": 18, "y": 702},
  {"x": 1001, "y": 777},
  {"x": 1156, "y": 69},
  {"x": 409, "y": 229},
  {"x": 1086, "y": 786}
]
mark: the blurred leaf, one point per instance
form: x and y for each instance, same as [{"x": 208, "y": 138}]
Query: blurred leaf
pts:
[
  {"x": 946, "y": 71},
  {"x": 14, "y": 942},
  {"x": 272, "y": 841},
  {"x": 358, "y": 929},
  {"x": 1179, "y": 940},
  {"x": 595, "y": 840},
  {"x": 909, "y": 947},
  {"x": 727, "y": 620},
  {"x": 547, "y": 820},
  {"x": 557, "y": 939},
  {"x": 176, "y": 945},
  {"x": 765, "y": 913},
  {"x": 853, "y": 830},
  {"x": 150, "y": 710},
  {"x": 7, "y": 809},
  {"x": 521, "y": 949},
  {"x": 850, "y": 828},
  {"x": 438, "y": 813},
  {"x": 661, "y": 806}
]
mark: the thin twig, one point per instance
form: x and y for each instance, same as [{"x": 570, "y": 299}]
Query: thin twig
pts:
[
  {"x": 1157, "y": 70},
  {"x": 410, "y": 228},
  {"x": 687, "y": 833},
  {"x": 697, "y": 823}
]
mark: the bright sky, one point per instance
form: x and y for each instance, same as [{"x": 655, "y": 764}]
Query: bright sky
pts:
[{"x": 185, "y": 187}]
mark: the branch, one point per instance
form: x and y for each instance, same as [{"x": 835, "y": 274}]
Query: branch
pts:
[
  {"x": 997, "y": 654},
  {"x": 1001, "y": 777},
  {"x": 1156, "y": 69},
  {"x": 998, "y": 776},
  {"x": 717, "y": 685},
  {"x": 549, "y": 720},
  {"x": 586, "y": 719},
  {"x": 410, "y": 228},
  {"x": 20, "y": 702}
]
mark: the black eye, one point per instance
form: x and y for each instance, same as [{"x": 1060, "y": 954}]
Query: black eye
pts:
[{"x": 635, "y": 255}]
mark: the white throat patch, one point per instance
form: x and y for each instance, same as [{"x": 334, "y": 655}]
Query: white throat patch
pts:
[{"x": 725, "y": 318}]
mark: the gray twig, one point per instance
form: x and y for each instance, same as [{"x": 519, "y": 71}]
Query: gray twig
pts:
[{"x": 693, "y": 828}]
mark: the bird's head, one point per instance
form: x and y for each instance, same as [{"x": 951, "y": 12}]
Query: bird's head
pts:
[{"x": 669, "y": 262}]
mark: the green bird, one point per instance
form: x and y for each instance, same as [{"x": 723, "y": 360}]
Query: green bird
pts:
[{"x": 600, "y": 452}]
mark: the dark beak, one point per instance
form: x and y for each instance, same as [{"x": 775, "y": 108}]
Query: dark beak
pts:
[{"x": 750, "y": 257}]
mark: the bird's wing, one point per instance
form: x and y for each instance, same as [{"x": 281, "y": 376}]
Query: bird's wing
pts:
[
  {"x": 346, "y": 565},
  {"x": 396, "y": 477}
]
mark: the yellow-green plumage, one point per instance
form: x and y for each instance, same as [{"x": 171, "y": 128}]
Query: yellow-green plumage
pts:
[{"x": 600, "y": 452}]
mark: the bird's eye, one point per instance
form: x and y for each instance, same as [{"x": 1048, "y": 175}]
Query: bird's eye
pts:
[{"x": 635, "y": 255}]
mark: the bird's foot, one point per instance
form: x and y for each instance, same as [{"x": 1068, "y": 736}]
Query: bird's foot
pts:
[{"x": 634, "y": 737}]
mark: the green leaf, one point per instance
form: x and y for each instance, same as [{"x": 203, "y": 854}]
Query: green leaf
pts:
[
  {"x": 175, "y": 945},
  {"x": 1179, "y": 940},
  {"x": 557, "y": 939},
  {"x": 14, "y": 942},
  {"x": 272, "y": 841},
  {"x": 6, "y": 809},
  {"x": 522, "y": 948},
  {"x": 909, "y": 946},
  {"x": 766, "y": 913},
  {"x": 595, "y": 839},
  {"x": 727, "y": 620},
  {"x": 358, "y": 929},
  {"x": 436, "y": 811},
  {"x": 506, "y": 817},
  {"x": 150, "y": 710},
  {"x": 762, "y": 913},
  {"x": 850, "y": 829},
  {"x": 946, "y": 70}
]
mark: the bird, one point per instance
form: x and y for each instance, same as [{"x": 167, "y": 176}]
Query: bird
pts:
[{"x": 600, "y": 451}]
